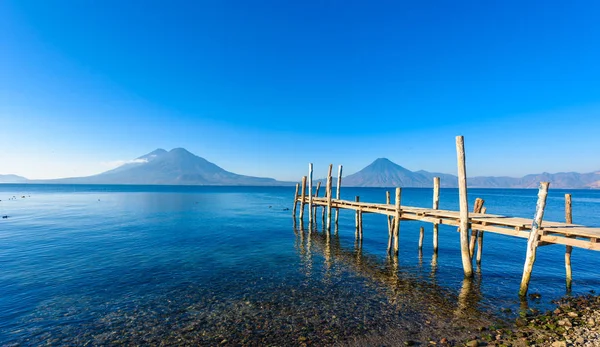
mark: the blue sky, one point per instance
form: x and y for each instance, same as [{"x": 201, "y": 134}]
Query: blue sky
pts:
[{"x": 264, "y": 87}]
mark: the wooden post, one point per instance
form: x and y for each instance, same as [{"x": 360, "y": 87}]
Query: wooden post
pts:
[
  {"x": 476, "y": 209},
  {"x": 464, "y": 207},
  {"x": 533, "y": 239},
  {"x": 329, "y": 184},
  {"x": 357, "y": 217},
  {"x": 480, "y": 240},
  {"x": 315, "y": 206},
  {"x": 337, "y": 193},
  {"x": 360, "y": 224},
  {"x": 397, "y": 221},
  {"x": 421, "y": 236},
  {"x": 568, "y": 219},
  {"x": 295, "y": 201},
  {"x": 302, "y": 197},
  {"x": 390, "y": 223},
  {"x": 389, "y": 218},
  {"x": 310, "y": 202},
  {"x": 436, "y": 205}
]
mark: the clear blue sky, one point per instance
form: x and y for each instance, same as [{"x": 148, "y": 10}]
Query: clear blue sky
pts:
[{"x": 264, "y": 87}]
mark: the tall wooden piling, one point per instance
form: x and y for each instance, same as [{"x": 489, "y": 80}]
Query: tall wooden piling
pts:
[
  {"x": 436, "y": 205},
  {"x": 360, "y": 224},
  {"x": 357, "y": 218},
  {"x": 329, "y": 184},
  {"x": 337, "y": 193},
  {"x": 464, "y": 207},
  {"x": 390, "y": 223},
  {"x": 302, "y": 197},
  {"x": 310, "y": 196},
  {"x": 421, "y": 236},
  {"x": 389, "y": 218},
  {"x": 474, "y": 232},
  {"x": 534, "y": 236},
  {"x": 397, "y": 221},
  {"x": 568, "y": 219},
  {"x": 295, "y": 201},
  {"x": 324, "y": 208},
  {"x": 480, "y": 240}
]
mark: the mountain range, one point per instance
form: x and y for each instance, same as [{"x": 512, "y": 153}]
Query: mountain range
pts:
[
  {"x": 174, "y": 167},
  {"x": 180, "y": 167},
  {"x": 384, "y": 173}
]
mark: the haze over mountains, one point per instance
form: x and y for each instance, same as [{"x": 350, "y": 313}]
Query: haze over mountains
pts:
[{"x": 180, "y": 167}]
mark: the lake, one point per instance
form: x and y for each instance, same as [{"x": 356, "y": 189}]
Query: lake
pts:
[{"x": 225, "y": 265}]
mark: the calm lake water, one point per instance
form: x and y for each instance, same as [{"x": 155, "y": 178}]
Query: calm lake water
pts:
[{"x": 210, "y": 265}]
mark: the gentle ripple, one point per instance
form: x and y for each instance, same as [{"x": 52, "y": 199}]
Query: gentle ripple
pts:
[{"x": 188, "y": 265}]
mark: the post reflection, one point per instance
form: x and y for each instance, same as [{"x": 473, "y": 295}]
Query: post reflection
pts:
[{"x": 402, "y": 286}]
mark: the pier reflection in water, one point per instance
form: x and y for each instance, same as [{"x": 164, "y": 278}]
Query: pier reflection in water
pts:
[{"x": 430, "y": 307}]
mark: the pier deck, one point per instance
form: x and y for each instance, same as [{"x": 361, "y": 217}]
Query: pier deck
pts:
[{"x": 550, "y": 232}]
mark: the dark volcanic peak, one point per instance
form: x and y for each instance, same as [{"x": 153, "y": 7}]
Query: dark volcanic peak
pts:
[
  {"x": 155, "y": 153},
  {"x": 385, "y": 173},
  {"x": 384, "y": 164},
  {"x": 180, "y": 151},
  {"x": 175, "y": 167}
]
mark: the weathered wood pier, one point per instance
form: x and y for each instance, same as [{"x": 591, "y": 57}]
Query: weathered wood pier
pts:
[{"x": 537, "y": 231}]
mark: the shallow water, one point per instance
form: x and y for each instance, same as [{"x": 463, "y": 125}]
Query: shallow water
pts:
[{"x": 177, "y": 265}]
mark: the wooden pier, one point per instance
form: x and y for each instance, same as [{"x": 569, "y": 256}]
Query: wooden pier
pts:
[{"x": 537, "y": 231}]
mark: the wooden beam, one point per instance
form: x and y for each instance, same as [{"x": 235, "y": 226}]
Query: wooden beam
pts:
[
  {"x": 534, "y": 237},
  {"x": 421, "y": 236},
  {"x": 569, "y": 249},
  {"x": 464, "y": 207},
  {"x": 302, "y": 201},
  {"x": 436, "y": 205}
]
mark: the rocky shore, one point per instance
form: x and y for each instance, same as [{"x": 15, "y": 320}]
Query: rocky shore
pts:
[{"x": 574, "y": 322}]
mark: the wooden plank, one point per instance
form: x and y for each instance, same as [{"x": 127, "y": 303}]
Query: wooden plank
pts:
[
  {"x": 534, "y": 236},
  {"x": 561, "y": 240},
  {"x": 583, "y": 232}
]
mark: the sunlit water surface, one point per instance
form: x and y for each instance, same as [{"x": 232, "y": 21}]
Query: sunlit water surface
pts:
[{"x": 210, "y": 265}]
